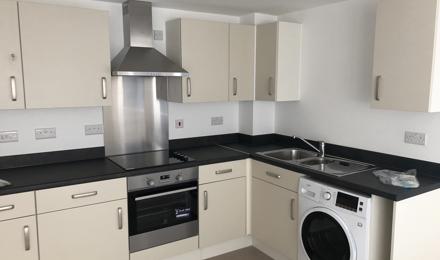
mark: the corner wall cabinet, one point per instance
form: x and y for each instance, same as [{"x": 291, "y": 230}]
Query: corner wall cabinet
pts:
[
  {"x": 202, "y": 48},
  {"x": 11, "y": 79},
  {"x": 278, "y": 62},
  {"x": 406, "y": 72}
]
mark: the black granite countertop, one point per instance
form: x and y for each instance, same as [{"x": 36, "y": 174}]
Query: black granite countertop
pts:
[{"x": 69, "y": 173}]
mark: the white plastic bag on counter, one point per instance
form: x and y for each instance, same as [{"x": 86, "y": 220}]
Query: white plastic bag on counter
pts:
[{"x": 406, "y": 179}]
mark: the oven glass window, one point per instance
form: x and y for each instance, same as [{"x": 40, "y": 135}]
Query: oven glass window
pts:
[
  {"x": 161, "y": 210},
  {"x": 323, "y": 238}
]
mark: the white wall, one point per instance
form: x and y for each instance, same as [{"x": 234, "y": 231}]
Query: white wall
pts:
[
  {"x": 337, "y": 75},
  {"x": 70, "y": 122}
]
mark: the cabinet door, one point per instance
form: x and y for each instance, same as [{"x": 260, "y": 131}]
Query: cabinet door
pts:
[
  {"x": 222, "y": 211},
  {"x": 11, "y": 81},
  {"x": 205, "y": 55},
  {"x": 87, "y": 233},
  {"x": 403, "y": 54},
  {"x": 265, "y": 78},
  {"x": 18, "y": 239},
  {"x": 241, "y": 62},
  {"x": 274, "y": 217},
  {"x": 66, "y": 56}
]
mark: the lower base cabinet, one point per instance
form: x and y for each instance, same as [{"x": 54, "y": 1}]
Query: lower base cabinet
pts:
[
  {"x": 222, "y": 211},
  {"x": 274, "y": 217},
  {"x": 18, "y": 239},
  {"x": 95, "y": 232}
]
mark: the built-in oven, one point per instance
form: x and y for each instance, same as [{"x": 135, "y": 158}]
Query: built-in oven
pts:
[{"x": 163, "y": 208}]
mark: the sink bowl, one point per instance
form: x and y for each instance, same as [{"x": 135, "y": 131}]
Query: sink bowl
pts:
[
  {"x": 335, "y": 166},
  {"x": 290, "y": 154},
  {"x": 317, "y": 161},
  {"x": 309, "y": 160}
]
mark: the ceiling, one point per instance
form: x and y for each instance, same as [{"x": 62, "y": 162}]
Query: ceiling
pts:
[{"x": 240, "y": 7}]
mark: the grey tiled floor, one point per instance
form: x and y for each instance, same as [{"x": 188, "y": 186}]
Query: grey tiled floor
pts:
[{"x": 248, "y": 253}]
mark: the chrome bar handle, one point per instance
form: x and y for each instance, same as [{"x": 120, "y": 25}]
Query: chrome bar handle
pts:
[
  {"x": 27, "y": 238},
  {"x": 273, "y": 175},
  {"x": 13, "y": 88},
  {"x": 104, "y": 87},
  {"x": 223, "y": 171},
  {"x": 205, "y": 197},
  {"x": 84, "y": 195},
  {"x": 292, "y": 206},
  {"x": 120, "y": 220},
  {"x": 377, "y": 87},
  {"x": 8, "y": 207},
  {"x": 270, "y": 86},
  {"x": 188, "y": 87},
  {"x": 235, "y": 86}
]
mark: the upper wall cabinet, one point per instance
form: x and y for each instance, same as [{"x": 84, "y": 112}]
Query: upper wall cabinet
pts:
[
  {"x": 406, "y": 56},
  {"x": 278, "y": 61},
  {"x": 241, "y": 62},
  {"x": 11, "y": 81},
  {"x": 202, "y": 48},
  {"x": 66, "y": 56}
]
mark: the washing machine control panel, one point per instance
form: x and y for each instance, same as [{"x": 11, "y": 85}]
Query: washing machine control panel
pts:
[{"x": 336, "y": 198}]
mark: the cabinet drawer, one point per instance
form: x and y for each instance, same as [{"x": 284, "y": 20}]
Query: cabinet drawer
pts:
[
  {"x": 222, "y": 171},
  {"x": 275, "y": 175},
  {"x": 81, "y": 195},
  {"x": 17, "y": 205}
]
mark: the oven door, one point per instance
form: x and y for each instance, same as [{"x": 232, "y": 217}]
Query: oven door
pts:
[{"x": 162, "y": 215}]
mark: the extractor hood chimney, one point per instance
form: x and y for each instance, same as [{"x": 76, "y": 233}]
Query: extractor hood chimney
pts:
[{"x": 139, "y": 58}]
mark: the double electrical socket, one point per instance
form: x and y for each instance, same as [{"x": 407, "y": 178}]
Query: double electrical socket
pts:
[
  {"x": 94, "y": 129},
  {"x": 415, "y": 138},
  {"x": 45, "y": 133},
  {"x": 8, "y": 136}
]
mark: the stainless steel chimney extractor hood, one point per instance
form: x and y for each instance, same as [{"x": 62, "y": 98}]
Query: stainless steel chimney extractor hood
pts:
[{"x": 139, "y": 58}]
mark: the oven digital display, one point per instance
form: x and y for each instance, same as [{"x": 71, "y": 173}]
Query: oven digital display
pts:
[
  {"x": 347, "y": 201},
  {"x": 164, "y": 177}
]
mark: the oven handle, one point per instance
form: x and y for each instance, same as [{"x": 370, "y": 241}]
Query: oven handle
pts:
[{"x": 164, "y": 194}]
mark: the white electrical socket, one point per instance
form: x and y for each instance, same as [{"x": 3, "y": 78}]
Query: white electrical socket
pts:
[
  {"x": 45, "y": 133},
  {"x": 8, "y": 136},
  {"x": 217, "y": 120},
  {"x": 179, "y": 123},
  {"x": 94, "y": 129},
  {"x": 415, "y": 138}
]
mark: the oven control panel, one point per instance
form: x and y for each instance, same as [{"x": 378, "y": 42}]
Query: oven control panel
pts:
[{"x": 158, "y": 179}]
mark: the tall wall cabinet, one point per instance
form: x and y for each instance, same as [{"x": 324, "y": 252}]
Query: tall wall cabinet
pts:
[
  {"x": 406, "y": 73},
  {"x": 65, "y": 56}
]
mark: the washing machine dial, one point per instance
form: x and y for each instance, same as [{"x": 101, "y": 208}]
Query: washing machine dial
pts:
[
  {"x": 327, "y": 195},
  {"x": 151, "y": 183}
]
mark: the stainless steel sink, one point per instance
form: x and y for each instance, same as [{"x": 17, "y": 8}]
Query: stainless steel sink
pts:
[
  {"x": 310, "y": 160},
  {"x": 290, "y": 155}
]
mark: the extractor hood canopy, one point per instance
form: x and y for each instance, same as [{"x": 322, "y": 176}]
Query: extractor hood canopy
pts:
[{"x": 139, "y": 58}]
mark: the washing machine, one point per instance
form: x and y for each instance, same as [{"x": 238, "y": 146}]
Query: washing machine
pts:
[{"x": 334, "y": 223}]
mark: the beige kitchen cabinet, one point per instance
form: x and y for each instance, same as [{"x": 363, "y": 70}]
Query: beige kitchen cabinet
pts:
[
  {"x": 222, "y": 211},
  {"x": 278, "y": 62},
  {"x": 274, "y": 218},
  {"x": 18, "y": 239},
  {"x": 66, "y": 56},
  {"x": 94, "y": 232},
  {"x": 241, "y": 62},
  {"x": 11, "y": 80},
  {"x": 406, "y": 69},
  {"x": 201, "y": 48}
]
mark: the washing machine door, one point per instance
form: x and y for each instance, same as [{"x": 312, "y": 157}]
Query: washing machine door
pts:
[{"x": 324, "y": 236}]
